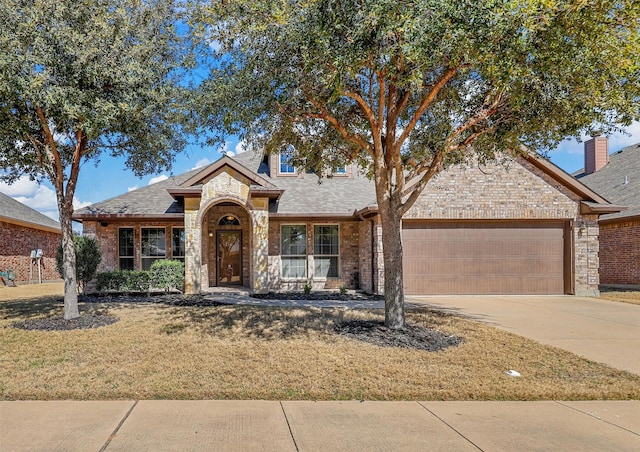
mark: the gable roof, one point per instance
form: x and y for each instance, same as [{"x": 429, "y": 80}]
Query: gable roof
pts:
[
  {"x": 151, "y": 201},
  {"x": 311, "y": 195},
  {"x": 15, "y": 212},
  {"x": 305, "y": 195},
  {"x": 610, "y": 181}
]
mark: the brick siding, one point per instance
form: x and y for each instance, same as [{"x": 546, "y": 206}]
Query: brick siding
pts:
[
  {"x": 620, "y": 252},
  {"x": 349, "y": 261},
  {"x": 15, "y": 251}
]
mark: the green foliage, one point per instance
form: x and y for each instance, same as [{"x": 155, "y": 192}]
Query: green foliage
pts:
[
  {"x": 343, "y": 79},
  {"x": 83, "y": 79},
  {"x": 167, "y": 275},
  {"x": 123, "y": 281},
  {"x": 307, "y": 289},
  {"x": 405, "y": 88},
  {"x": 88, "y": 257},
  {"x": 343, "y": 290}
]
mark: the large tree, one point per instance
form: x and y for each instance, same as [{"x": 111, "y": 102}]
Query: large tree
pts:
[
  {"x": 81, "y": 79},
  {"x": 406, "y": 88}
]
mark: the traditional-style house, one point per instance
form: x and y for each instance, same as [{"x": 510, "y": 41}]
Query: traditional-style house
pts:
[
  {"x": 23, "y": 231},
  {"x": 524, "y": 227},
  {"x": 617, "y": 178}
]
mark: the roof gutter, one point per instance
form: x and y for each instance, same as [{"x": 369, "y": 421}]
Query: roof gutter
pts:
[{"x": 27, "y": 224}]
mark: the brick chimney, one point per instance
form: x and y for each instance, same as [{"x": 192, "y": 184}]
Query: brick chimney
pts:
[{"x": 596, "y": 154}]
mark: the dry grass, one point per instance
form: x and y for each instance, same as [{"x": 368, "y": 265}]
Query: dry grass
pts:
[
  {"x": 243, "y": 352},
  {"x": 626, "y": 296}
]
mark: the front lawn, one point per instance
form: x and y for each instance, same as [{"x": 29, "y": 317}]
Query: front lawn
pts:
[{"x": 159, "y": 351}]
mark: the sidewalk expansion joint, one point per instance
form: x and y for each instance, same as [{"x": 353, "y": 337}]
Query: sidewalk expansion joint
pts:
[
  {"x": 586, "y": 413},
  {"x": 115, "y": 431},
  {"x": 451, "y": 427},
  {"x": 289, "y": 426}
]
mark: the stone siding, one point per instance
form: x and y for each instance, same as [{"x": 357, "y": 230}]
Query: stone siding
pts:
[
  {"x": 620, "y": 252},
  {"x": 15, "y": 251}
]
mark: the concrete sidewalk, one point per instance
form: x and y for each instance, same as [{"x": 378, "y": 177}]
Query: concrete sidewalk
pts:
[
  {"x": 157, "y": 425},
  {"x": 600, "y": 330}
]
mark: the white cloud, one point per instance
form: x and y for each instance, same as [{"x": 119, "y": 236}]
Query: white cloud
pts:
[
  {"x": 226, "y": 149},
  {"x": 40, "y": 197},
  {"x": 43, "y": 199},
  {"x": 160, "y": 178},
  {"x": 22, "y": 187},
  {"x": 619, "y": 141},
  {"x": 202, "y": 162},
  {"x": 77, "y": 204},
  {"x": 135, "y": 187},
  {"x": 241, "y": 147}
]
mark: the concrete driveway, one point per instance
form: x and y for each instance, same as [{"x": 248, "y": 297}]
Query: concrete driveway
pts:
[{"x": 600, "y": 330}]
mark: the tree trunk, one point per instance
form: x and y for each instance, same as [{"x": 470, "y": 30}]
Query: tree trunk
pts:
[
  {"x": 68, "y": 262},
  {"x": 392, "y": 253}
]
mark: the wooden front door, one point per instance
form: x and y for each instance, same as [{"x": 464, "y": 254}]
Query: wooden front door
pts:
[{"x": 229, "y": 257}]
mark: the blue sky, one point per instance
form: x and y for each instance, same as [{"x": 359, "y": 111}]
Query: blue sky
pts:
[{"x": 111, "y": 178}]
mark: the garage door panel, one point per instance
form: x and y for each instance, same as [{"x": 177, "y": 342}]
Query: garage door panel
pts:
[{"x": 477, "y": 258}]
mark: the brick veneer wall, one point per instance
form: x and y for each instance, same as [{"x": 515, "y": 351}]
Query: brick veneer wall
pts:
[
  {"x": 620, "y": 252},
  {"x": 15, "y": 251},
  {"x": 107, "y": 238},
  {"x": 350, "y": 259},
  {"x": 512, "y": 190}
]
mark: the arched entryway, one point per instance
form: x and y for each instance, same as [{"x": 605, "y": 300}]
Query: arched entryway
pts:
[{"x": 226, "y": 245}]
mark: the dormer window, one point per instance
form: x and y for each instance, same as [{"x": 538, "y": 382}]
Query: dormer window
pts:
[{"x": 286, "y": 165}]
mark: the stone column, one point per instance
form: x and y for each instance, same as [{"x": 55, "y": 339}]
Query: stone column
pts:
[
  {"x": 260, "y": 251},
  {"x": 193, "y": 255}
]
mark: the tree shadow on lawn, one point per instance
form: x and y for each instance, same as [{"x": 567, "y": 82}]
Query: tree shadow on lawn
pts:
[
  {"x": 27, "y": 308},
  {"x": 269, "y": 323}
]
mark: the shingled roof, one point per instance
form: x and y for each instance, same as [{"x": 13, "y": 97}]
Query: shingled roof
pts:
[
  {"x": 618, "y": 182},
  {"x": 15, "y": 212},
  {"x": 307, "y": 196}
]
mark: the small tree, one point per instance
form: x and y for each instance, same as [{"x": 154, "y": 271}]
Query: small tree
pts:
[{"x": 88, "y": 257}]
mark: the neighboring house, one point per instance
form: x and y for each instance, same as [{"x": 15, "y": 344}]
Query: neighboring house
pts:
[
  {"x": 617, "y": 178},
  {"x": 525, "y": 227},
  {"x": 23, "y": 230}
]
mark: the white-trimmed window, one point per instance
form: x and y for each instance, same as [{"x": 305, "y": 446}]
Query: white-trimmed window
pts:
[
  {"x": 153, "y": 246},
  {"x": 177, "y": 244},
  {"x": 126, "y": 248},
  {"x": 286, "y": 164},
  {"x": 342, "y": 171},
  {"x": 326, "y": 251},
  {"x": 294, "y": 251}
]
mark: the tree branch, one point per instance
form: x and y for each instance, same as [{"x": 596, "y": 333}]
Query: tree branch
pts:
[
  {"x": 446, "y": 77},
  {"x": 325, "y": 115}
]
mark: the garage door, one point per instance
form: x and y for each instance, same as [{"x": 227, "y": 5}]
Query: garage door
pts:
[{"x": 483, "y": 258}]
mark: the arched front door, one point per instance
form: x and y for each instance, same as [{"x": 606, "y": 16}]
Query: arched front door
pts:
[{"x": 229, "y": 257}]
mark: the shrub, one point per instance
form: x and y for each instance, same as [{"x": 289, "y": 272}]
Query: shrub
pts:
[
  {"x": 167, "y": 275},
  {"x": 88, "y": 258},
  {"x": 343, "y": 290},
  {"x": 123, "y": 281},
  {"x": 307, "y": 289}
]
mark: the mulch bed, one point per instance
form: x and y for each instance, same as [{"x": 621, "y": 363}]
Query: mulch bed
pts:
[
  {"x": 170, "y": 299},
  {"x": 58, "y": 323},
  {"x": 411, "y": 336},
  {"x": 320, "y": 296}
]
